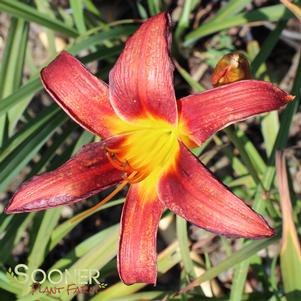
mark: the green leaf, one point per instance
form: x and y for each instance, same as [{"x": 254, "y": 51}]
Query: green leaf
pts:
[
  {"x": 43, "y": 6},
  {"x": 13, "y": 57},
  {"x": 290, "y": 263},
  {"x": 78, "y": 14},
  {"x": 196, "y": 87},
  {"x": 290, "y": 254},
  {"x": 32, "y": 86},
  {"x": 12, "y": 234},
  {"x": 92, "y": 8},
  {"x": 12, "y": 71},
  {"x": 230, "y": 9},
  {"x": 184, "y": 19},
  {"x": 251, "y": 152},
  {"x": 238, "y": 281},
  {"x": 142, "y": 11},
  {"x": 240, "y": 144},
  {"x": 81, "y": 249},
  {"x": 85, "y": 41},
  {"x": 94, "y": 257},
  {"x": 153, "y": 295},
  {"x": 49, "y": 219},
  {"x": 23, "y": 134},
  {"x": 268, "y": 46},
  {"x": 50, "y": 153},
  {"x": 63, "y": 229},
  {"x": 38, "y": 252},
  {"x": 8, "y": 285},
  {"x": 21, "y": 10},
  {"x": 154, "y": 7},
  {"x": 291, "y": 109},
  {"x": 270, "y": 13},
  {"x": 184, "y": 247},
  {"x": 245, "y": 253},
  {"x": 22, "y": 154}
]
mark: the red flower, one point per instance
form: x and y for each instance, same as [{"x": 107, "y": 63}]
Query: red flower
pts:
[{"x": 147, "y": 135}]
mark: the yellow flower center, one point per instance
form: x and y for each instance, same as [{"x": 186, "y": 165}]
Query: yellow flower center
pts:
[{"x": 147, "y": 146}]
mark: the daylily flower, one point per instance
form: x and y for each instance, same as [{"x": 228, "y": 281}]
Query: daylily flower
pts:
[{"x": 146, "y": 139}]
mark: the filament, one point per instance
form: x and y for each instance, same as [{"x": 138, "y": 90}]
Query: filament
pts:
[{"x": 105, "y": 200}]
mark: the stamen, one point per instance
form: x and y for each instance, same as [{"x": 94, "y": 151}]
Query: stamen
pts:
[
  {"x": 137, "y": 178},
  {"x": 105, "y": 200},
  {"x": 115, "y": 161},
  {"x": 151, "y": 154},
  {"x": 145, "y": 146}
]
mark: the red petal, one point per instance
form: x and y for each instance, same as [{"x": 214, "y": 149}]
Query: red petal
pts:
[
  {"x": 83, "y": 96},
  {"x": 141, "y": 81},
  {"x": 137, "y": 257},
  {"x": 84, "y": 175},
  {"x": 207, "y": 112},
  {"x": 192, "y": 192}
]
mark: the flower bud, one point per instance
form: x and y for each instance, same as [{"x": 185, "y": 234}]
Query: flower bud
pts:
[{"x": 231, "y": 68}]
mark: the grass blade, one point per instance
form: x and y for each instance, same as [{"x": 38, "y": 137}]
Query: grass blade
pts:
[
  {"x": 290, "y": 254},
  {"x": 18, "y": 159},
  {"x": 12, "y": 71},
  {"x": 184, "y": 19},
  {"x": 230, "y": 9},
  {"x": 243, "y": 254},
  {"x": 78, "y": 14},
  {"x": 271, "y": 13},
  {"x": 184, "y": 247},
  {"x": 21, "y": 10}
]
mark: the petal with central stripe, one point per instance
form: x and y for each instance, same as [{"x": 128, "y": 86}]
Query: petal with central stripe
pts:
[
  {"x": 141, "y": 82},
  {"x": 81, "y": 95},
  {"x": 137, "y": 257},
  {"x": 84, "y": 175},
  {"x": 191, "y": 191},
  {"x": 205, "y": 113}
]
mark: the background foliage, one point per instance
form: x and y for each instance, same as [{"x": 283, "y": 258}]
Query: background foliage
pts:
[{"x": 35, "y": 135}]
